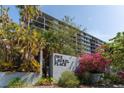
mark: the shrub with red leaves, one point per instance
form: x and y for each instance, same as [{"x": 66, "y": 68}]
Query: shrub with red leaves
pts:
[
  {"x": 94, "y": 63},
  {"x": 121, "y": 74}
]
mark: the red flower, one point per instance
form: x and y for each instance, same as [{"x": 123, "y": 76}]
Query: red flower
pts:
[{"x": 93, "y": 63}]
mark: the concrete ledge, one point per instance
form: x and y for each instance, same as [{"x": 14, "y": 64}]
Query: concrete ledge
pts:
[{"x": 28, "y": 77}]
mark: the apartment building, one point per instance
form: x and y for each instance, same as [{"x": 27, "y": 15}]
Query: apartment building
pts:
[{"x": 82, "y": 38}]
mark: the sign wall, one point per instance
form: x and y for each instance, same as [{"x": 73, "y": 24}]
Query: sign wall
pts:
[{"x": 61, "y": 63}]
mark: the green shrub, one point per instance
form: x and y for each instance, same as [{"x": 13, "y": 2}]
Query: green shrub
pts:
[
  {"x": 45, "y": 81},
  {"x": 16, "y": 82},
  {"x": 111, "y": 79},
  {"x": 68, "y": 79},
  {"x": 5, "y": 66},
  {"x": 85, "y": 78}
]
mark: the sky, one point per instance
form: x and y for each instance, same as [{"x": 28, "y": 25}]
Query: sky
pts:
[{"x": 102, "y": 22}]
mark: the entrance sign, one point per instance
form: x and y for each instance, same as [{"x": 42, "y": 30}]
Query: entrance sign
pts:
[{"x": 61, "y": 63}]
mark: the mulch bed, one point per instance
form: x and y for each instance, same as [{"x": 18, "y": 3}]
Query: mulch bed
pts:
[
  {"x": 83, "y": 86},
  {"x": 56, "y": 86}
]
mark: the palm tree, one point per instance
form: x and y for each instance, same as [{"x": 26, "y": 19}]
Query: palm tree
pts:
[{"x": 33, "y": 42}]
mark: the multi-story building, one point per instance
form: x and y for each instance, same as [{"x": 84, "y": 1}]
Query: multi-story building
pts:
[{"x": 89, "y": 42}]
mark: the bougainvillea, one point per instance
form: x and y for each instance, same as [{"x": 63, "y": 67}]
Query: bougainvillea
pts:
[
  {"x": 121, "y": 74},
  {"x": 94, "y": 63}
]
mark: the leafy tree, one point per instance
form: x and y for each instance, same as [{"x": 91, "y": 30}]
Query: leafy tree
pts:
[
  {"x": 20, "y": 44},
  {"x": 27, "y": 13},
  {"x": 115, "y": 51},
  {"x": 58, "y": 41},
  {"x": 32, "y": 40},
  {"x": 59, "y": 38}
]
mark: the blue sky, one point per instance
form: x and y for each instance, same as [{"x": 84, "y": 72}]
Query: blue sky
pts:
[{"x": 101, "y": 21}]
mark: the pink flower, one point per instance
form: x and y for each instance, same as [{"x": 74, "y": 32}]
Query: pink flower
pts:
[{"x": 93, "y": 62}]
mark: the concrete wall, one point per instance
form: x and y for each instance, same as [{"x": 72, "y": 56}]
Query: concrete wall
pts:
[
  {"x": 28, "y": 77},
  {"x": 60, "y": 63}
]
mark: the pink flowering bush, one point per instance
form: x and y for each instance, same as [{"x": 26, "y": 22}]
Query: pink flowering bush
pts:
[
  {"x": 121, "y": 74},
  {"x": 94, "y": 63}
]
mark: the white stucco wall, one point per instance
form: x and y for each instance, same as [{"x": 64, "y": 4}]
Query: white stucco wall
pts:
[{"x": 60, "y": 63}]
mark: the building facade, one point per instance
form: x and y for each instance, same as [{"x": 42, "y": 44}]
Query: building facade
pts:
[{"x": 89, "y": 42}]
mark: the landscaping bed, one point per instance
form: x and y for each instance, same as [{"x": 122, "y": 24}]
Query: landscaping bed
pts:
[{"x": 81, "y": 86}]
